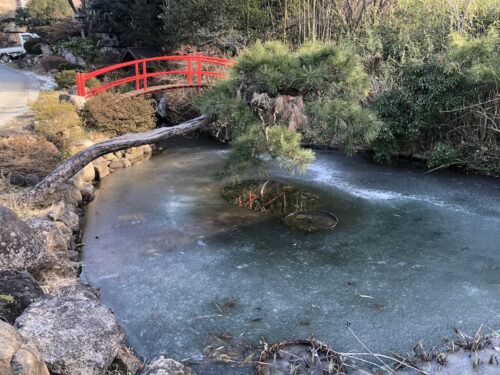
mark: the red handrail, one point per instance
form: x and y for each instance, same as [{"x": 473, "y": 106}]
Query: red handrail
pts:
[{"x": 143, "y": 75}]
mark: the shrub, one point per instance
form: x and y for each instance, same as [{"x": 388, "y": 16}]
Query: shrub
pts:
[
  {"x": 67, "y": 78},
  {"x": 52, "y": 62},
  {"x": 28, "y": 154},
  {"x": 116, "y": 115},
  {"x": 69, "y": 66},
  {"x": 57, "y": 121},
  {"x": 33, "y": 46}
]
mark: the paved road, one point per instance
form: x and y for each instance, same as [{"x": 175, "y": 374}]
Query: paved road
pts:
[{"x": 16, "y": 87}]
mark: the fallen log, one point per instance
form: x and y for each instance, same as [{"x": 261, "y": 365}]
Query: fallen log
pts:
[{"x": 78, "y": 161}]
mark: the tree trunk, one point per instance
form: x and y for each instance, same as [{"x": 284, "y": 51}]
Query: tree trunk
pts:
[{"x": 78, "y": 161}]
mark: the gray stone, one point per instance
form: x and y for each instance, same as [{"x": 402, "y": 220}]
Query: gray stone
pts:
[
  {"x": 64, "y": 98},
  {"x": 69, "y": 193},
  {"x": 24, "y": 179},
  {"x": 71, "y": 220},
  {"x": 19, "y": 245},
  {"x": 56, "y": 209},
  {"x": 77, "y": 290},
  {"x": 18, "y": 290},
  {"x": 68, "y": 55},
  {"x": 74, "y": 336},
  {"x": 46, "y": 49},
  {"x": 50, "y": 234},
  {"x": 165, "y": 366},
  {"x": 87, "y": 190}
]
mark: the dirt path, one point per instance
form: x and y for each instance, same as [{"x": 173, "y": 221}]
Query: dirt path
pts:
[{"x": 16, "y": 88}]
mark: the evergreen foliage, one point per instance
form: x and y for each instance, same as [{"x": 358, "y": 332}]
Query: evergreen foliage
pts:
[
  {"x": 275, "y": 96},
  {"x": 45, "y": 12}
]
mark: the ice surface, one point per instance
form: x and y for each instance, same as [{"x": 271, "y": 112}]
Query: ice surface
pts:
[{"x": 413, "y": 255}]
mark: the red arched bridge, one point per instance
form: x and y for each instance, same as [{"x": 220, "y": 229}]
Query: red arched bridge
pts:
[{"x": 193, "y": 73}]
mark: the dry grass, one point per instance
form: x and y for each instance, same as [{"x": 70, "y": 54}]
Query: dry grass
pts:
[
  {"x": 6, "y": 6},
  {"x": 9, "y": 195},
  {"x": 51, "y": 283},
  {"x": 28, "y": 154}
]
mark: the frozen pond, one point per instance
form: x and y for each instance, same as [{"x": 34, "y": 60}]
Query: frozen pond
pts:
[{"x": 413, "y": 256}]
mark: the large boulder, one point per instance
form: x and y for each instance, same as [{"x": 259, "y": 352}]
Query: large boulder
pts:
[
  {"x": 74, "y": 336},
  {"x": 54, "y": 240},
  {"x": 19, "y": 246},
  {"x": 18, "y": 290},
  {"x": 10, "y": 342},
  {"x": 18, "y": 357},
  {"x": 165, "y": 366},
  {"x": 28, "y": 361}
]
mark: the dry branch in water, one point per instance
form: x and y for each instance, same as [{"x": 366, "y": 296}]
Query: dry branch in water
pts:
[{"x": 78, "y": 161}]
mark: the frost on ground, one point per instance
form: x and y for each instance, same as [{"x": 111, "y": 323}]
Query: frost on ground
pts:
[{"x": 46, "y": 82}]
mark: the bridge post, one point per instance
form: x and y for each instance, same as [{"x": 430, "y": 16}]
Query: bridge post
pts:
[
  {"x": 198, "y": 66},
  {"x": 137, "y": 80},
  {"x": 80, "y": 84},
  {"x": 145, "y": 77},
  {"x": 189, "y": 69}
]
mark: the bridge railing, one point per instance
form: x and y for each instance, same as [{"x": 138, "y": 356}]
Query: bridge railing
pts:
[{"x": 142, "y": 75}]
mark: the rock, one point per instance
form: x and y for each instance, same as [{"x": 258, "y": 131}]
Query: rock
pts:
[
  {"x": 77, "y": 101},
  {"x": 74, "y": 336},
  {"x": 24, "y": 179},
  {"x": 69, "y": 193},
  {"x": 120, "y": 163},
  {"x": 19, "y": 245},
  {"x": 56, "y": 209},
  {"x": 86, "y": 175},
  {"x": 80, "y": 146},
  {"x": 71, "y": 220},
  {"x": 67, "y": 233},
  {"x": 17, "y": 357},
  {"x": 77, "y": 290},
  {"x": 135, "y": 154},
  {"x": 46, "y": 49},
  {"x": 161, "y": 108},
  {"x": 74, "y": 255},
  {"x": 50, "y": 234},
  {"x": 87, "y": 190},
  {"x": 147, "y": 149},
  {"x": 68, "y": 54},
  {"x": 166, "y": 366},
  {"x": 18, "y": 290},
  {"x": 101, "y": 170},
  {"x": 110, "y": 157},
  {"x": 10, "y": 342},
  {"x": 28, "y": 361},
  {"x": 127, "y": 362},
  {"x": 64, "y": 98}
]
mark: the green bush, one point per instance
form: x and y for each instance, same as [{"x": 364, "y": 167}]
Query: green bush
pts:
[
  {"x": 69, "y": 66},
  {"x": 67, "y": 78},
  {"x": 114, "y": 114},
  {"x": 33, "y": 46}
]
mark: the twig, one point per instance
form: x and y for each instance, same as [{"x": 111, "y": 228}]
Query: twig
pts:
[{"x": 364, "y": 346}]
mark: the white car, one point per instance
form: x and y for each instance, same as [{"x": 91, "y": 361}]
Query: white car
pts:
[{"x": 6, "y": 54}]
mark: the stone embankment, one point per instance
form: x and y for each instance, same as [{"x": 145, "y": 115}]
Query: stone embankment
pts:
[{"x": 51, "y": 322}]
